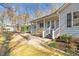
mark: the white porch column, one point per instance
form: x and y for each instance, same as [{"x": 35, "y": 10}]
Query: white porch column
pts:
[
  {"x": 44, "y": 28},
  {"x": 53, "y": 34},
  {"x": 50, "y": 24}
]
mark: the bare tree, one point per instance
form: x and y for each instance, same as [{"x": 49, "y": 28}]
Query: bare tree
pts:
[
  {"x": 38, "y": 12},
  {"x": 22, "y": 17},
  {"x": 26, "y": 14},
  {"x": 1, "y": 22}
]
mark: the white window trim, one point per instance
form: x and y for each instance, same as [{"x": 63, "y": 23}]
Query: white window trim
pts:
[{"x": 72, "y": 19}]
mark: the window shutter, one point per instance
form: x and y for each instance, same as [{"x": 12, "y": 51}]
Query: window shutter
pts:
[{"x": 69, "y": 20}]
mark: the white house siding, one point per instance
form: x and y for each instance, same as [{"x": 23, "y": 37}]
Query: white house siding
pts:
[
  {"x": 74, "y": 31},
  {"x": 33, "y": 28}
]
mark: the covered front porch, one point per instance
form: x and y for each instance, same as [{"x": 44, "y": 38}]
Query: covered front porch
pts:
[{"x": 44, "y": 26}]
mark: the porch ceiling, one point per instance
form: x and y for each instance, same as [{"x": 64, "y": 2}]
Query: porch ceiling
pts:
[{"x": 48, "y": 17}]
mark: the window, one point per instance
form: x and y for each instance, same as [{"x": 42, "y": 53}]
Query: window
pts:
[
  {"x": 52, "y": 24},
  {"x": 76, "y": 18},
  {"x": 69, "y": 19},
  {"x": 48, "y": 24},
  {"x": 41, "y": 25}
]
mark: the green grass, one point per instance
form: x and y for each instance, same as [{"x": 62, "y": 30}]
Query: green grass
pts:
[
  {"x": 1, "y": 39},
  {"x": 28, "y": 50},
  {"x": 52, "y": 44}
]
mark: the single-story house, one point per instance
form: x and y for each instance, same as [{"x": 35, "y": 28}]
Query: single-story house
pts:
[
  {"x": 65, "y": 20},
  {"x": 44, "y": 26}
]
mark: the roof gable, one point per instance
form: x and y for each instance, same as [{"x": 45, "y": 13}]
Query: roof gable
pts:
[{"x": 63, "y": 7}]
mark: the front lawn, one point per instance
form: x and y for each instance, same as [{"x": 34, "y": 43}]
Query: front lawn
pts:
[
  {"x": 28, "y": 50},
  {"x": 18, "y": 46}
]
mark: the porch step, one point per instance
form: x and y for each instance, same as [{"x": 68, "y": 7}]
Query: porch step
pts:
[{"x": 49, "y": 36}]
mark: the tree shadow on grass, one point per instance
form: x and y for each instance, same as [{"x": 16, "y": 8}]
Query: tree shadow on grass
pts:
[
  {"x": 4, "y": 47},
  {"x": 5, "y": 50}
]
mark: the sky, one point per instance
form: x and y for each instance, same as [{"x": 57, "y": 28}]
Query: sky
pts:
[{"x": 45, "y": 8}]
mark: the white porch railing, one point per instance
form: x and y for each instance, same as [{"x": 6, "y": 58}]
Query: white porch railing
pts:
[
  {"x": 55, "y": 33},
  {"x": 46, "y": 32}
]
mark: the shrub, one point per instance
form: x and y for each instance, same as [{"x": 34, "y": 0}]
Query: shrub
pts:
[
  {"x": 76, "y": 53},
  {"x": 71, "y": 48},
  {"x": 25, "y": 28},
  {"x": 65, "y": 38},
  {"x": 53, "y": 44}
]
